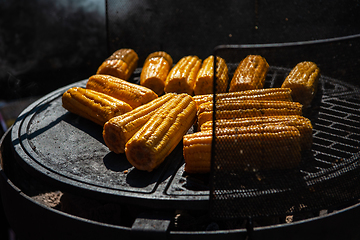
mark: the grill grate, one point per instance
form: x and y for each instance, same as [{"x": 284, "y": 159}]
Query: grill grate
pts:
[
  {"x": 326, "y": 175},
  {"x": 334, "y": 157},
  {"x": 336, "y": 138}
]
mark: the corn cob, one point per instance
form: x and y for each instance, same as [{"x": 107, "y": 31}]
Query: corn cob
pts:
[
  {"x": 197, "y": 152},
  {"x": 155, "y": 70},
  {"x": 278, "y": 94},
  {"x": 122, "y": 63},
  {"x": 95, "y": 106},
  {"x": 303, "y": 81},
  {"x": 118, "y": 130},
  {"x": 301, "y": 123},
  {"x": 247, "y": 108},
  {"x": 149, "y": 147},
  {"x": 250, "y": 74},
  {"x": 182, "y": 76},
  {"x": 205, "y": 78},
  {"x": 133, "y": 94},
  {"x": 244, "y": 148}
]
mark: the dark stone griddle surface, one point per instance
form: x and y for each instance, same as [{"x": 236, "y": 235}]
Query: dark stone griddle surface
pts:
[{"x": 58, "y": 146}]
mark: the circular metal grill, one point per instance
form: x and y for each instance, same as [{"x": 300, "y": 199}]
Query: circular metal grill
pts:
[{"x": 54, "y": 145}]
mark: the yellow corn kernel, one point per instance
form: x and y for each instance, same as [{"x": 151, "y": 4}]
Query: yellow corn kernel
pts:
[
  {"x": 250, "y": 74},
  {"x": 149, "y": 147},
  {"x": 133, "y": 94},
  {"x": 276, "y": 94},
  {"x": 155, "y": 70},
  {"x": 303, "y": 81},
  {"x": 182, "y": 76},
  {"x": 205, "y": 78},
  {"x": 253, "y": 147},
  {"x": 197, "y": 152},
  {"x": 122, "y": 63},
  {"x": 95, "y": 106},
  {"x": 303, "y": 124},
  {"x": 118, "y": 130},
  {"x": 247, "y": 108}
]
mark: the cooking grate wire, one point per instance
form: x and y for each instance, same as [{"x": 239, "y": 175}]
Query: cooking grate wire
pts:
[{"x": 326, "y": 176}]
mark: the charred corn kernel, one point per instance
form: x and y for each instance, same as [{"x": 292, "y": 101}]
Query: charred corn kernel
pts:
[
  {"x": 149, "y": 147},
  {"x": 133, "y": 94},
  {"x": 250, "y": 74},
  {"x": 278, "y": 94},
  {"x": 303, "y": 81},
  {"x": 122, "y": 63},
  {"x": 118, "y": 130},
  {"x": 155, "y": 70},
  {"x": 205, "y": 78},
  {"x": 254, "y": 147},
  {"x": 303, "y": 124},
  {"x": 247, "y": 108},
  {"x": 182, "y": 76},
  {"x": 95, "y": 106}
]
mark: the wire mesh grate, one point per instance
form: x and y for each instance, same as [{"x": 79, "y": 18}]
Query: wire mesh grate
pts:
[{"x": 326, "y": 176}]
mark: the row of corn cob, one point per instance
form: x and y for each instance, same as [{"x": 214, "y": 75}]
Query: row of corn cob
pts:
[
  {"x": 191, "y": 75},
  {"x": 256, "y": 129},
  {"x": 194, "y": 78}
]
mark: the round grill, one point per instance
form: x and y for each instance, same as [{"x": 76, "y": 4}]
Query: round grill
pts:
[{"x": 69, "y": 151}]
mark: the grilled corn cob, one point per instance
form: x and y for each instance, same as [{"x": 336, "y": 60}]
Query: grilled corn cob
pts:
[
  {"x": 247, "y": 108},
  {"x": 205, "y": 78},
  {"x": 155, "y": 70},
  {"x": 301, "y": 123},
  {"x": 149, "y": 147},
  {"x": 278, "y": 94},
  {"x": 182, "y": 76},
  {"x": 197, "y": 152},
  {"x": 122, "y": 63},
  {"x": 244, "y": 148},
  {"x": 118, "y": 130},
  {"x": 133, "y": 94},
  {"x": 250, "y": 74},
  {"x": 95, "y": 106},
  {"x": 303, "y": 81}
]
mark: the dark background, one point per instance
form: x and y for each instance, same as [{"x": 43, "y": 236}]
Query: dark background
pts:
[
  {"x": 196, "y": 27},
  {"x": 46, "y": 44}
]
